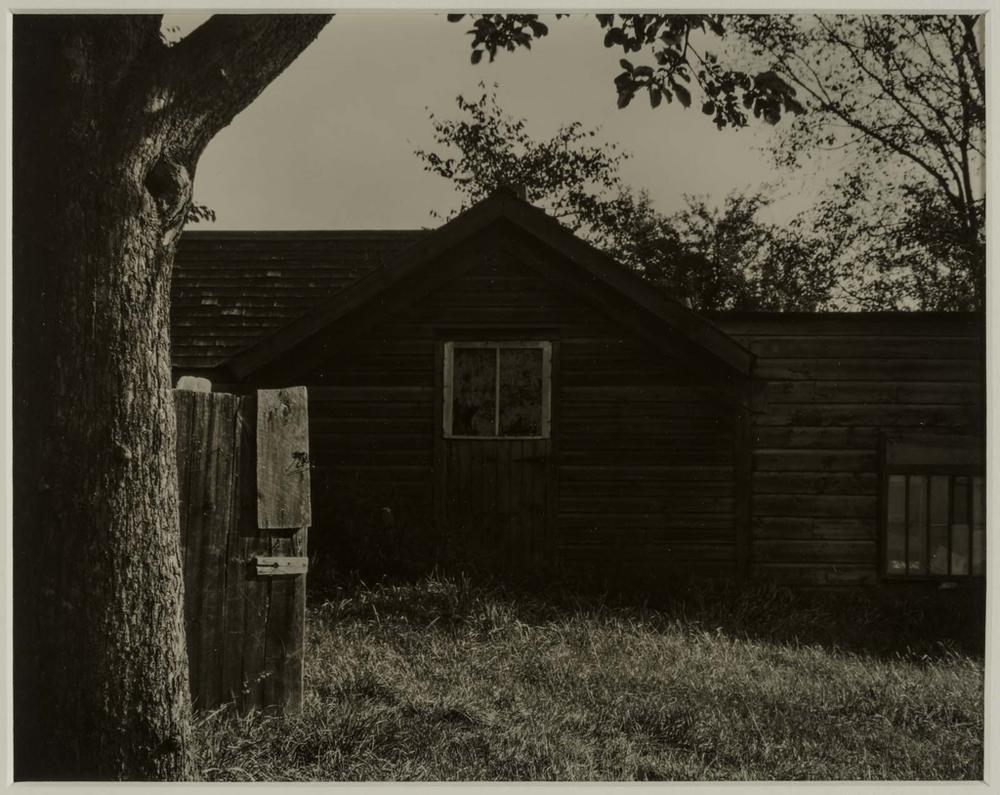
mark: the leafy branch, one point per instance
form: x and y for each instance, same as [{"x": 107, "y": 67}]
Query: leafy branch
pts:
[{"x": 676, "y": 67}]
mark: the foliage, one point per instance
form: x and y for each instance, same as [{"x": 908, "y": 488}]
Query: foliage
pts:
[
  {"x": 896, "y": 106},
  {"x": 200, "y": 213},
  {"x": 736, "y": 261},
  {"x": 726, "y": 259},
  {"x": 568, "y": 173},
  {"x": 446, "y": 679},
  {"x": 674, "y": 64}
]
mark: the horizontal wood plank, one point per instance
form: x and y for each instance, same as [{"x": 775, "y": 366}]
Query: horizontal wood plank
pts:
[
  {"x": 868, "y": 415},
  {"x": 867, "y": 369},
  {"x": 814, "y": 460},
  {"x": 877, "y": 392},
  {"x": 785, "y": 482},
  {"x": 791, "y": 436},
  {"x": 803, "y": 527},
  {"x": 867, "y": 347},
  {"x": 826, "y": 552},
  {"x": 821, "y": 575},
  {"x": 815, "y": 505}
]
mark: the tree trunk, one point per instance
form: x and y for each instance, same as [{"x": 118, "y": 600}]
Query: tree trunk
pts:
[
  {"x": 105, "y": 143},
  {"x": 101, "y": 669}
]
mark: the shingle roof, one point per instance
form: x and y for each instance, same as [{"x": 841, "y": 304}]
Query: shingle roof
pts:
[{"x": 230, "y": 289}]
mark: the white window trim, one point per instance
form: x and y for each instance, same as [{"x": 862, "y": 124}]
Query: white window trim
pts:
[{"x": 448, "y": 391}]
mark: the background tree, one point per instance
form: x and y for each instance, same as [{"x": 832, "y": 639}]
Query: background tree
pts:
[
  {"x": 572, "y": 174},
  {"x": 109, "y": 125},
  {"x": 734, "y": 260},
  {"x": 713, "y": 259},
  {"x": 896, "y": 107}
]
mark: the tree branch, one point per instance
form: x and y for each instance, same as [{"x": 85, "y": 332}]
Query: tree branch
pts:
[
  {"x": 222, "y": 66},
  {"x": 912, "y": 83},
  {"x": 887, "y": 90},
  {"x": 971, "y": 51},
  {"x": 830, "y": 105}
]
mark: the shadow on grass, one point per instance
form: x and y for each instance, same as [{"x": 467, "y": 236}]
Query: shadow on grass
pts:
[{"x": 885, "y": 623}]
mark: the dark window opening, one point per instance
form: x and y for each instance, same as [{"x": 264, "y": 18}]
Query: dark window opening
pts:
[
  {"x": 497, "y": 389},
  {"x": 935, "y": 525}
]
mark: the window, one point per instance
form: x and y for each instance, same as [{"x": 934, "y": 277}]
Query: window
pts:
[
  {"x": 935, "y": 508},
  {"x": 497, "y": 390}
]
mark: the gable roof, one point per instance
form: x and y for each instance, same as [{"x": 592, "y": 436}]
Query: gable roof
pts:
[
  {"x": 425, "y": 250},
  {"x": 229, "y": 289}
]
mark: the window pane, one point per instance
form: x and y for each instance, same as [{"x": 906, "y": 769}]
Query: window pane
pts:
[
  {"x": 918, "y": 525},
  {"x": 474, "y": 392},
  {"x": 895, "y": 548},
  {"x": 939, "y": 525},
  {"x": 960, "y": 527},
  {"x": 520, "y": 391},
  {"x": 978, "y": 527}
]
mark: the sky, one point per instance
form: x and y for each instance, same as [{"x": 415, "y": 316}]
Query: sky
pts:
[{"x": 330, "y": 143}]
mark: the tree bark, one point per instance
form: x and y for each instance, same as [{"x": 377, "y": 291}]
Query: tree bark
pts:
[{"x": 108, "y": 126}]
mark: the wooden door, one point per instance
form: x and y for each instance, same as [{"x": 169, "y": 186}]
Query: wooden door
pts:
[
  {"x": 495, "y": 481},
  {"x": 496, "y": 501}
]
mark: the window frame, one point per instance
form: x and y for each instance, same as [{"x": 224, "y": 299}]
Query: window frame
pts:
[
  {"x": 930, "y": 456},
  {"x": 448, "y": 386}
]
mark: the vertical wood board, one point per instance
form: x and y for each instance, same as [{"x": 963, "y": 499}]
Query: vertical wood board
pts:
[{"x": 283, "y": 499}]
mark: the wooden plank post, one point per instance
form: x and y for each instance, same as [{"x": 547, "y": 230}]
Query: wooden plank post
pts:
[
  {"x": 243, "y": 468},
  {"x": 207, "y": 464},
  {"x": 284, "y": 509}
]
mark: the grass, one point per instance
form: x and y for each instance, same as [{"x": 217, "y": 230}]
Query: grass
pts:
[{"x": 442, "y": 679}]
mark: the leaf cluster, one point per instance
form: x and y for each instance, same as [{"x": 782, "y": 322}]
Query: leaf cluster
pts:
[
  {"x": 492, "y": 32},
  {"x": 200, "y": 213},
  {"x": 675, "y": 67}
]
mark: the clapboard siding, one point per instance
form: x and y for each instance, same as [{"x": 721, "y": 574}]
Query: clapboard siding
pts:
[
  {"x": 643, "y": 447},
  {"x": 828, "y": 388},
  {"x": 625, "y": 405}
]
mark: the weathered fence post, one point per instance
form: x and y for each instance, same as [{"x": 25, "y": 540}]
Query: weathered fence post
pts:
[{"x": 243, "y": 468}]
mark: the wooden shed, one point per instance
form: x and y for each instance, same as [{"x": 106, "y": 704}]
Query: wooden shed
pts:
[{"x": 536, "y": 401}]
